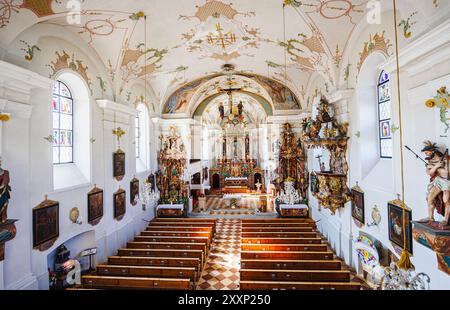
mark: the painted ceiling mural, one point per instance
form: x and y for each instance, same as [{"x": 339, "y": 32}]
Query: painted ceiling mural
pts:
[
  {"x": 172, "y": 43},
  {"x": 193, "y": 93}
]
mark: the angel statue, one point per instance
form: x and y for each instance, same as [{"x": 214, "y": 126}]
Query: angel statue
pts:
[
  {"x": 4, "y": 193},
  {"x": 438, "y": 196}
]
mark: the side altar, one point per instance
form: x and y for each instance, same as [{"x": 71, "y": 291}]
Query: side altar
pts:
[{"x": 171, "y": 178}]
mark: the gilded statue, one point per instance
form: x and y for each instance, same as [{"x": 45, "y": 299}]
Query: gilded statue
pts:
[
  {"x": 438, "y": 196},
  {"x": 4, "y": 193}
]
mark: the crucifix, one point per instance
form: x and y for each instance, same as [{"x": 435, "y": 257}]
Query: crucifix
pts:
[
  {"x": 119, "y": 132},
  {"x": 321, "y": 164}
]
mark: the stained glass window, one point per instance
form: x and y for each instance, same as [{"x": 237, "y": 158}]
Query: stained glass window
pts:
[
  {"x": 62, "y": 120},
  {"x": 384, "y": 115}
]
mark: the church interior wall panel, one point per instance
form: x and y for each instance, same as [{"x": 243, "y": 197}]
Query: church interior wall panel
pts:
[
  {"x": 417, "y": 118},
  {"x": 37, "y": 156}
]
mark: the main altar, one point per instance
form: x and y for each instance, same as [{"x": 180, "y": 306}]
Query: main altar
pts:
[{"x": 237, "y": 176}]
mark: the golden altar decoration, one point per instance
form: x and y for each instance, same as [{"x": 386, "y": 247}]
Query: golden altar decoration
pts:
[
  {"x": 292, "y": 162},
  {"x": 171, "y": 177},
  {"x": 325, "y": 132}
]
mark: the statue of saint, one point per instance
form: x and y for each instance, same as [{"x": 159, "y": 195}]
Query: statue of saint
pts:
[
  {"x": 240, "y": 108},
  {"x": 221, "y": 110},
  {"x": 4, "y": 193},
  {"x": 258, "y": 187},
  {"x": 438, "y": 196}
]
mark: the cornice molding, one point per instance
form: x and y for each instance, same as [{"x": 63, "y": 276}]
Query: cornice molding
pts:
[
  {"x": 431, "y": 48},
  {"x": 111, "y": 106}
]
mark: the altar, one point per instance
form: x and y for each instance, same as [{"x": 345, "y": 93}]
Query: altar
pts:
[
  {"x": 296, "y": 210},
  {"x": 170, "y": 210}
]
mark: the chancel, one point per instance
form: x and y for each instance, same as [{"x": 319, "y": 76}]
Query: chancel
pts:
[{"x": 210, "y": 145}]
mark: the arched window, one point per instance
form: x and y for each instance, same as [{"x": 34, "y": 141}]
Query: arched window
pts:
[
  {"x": 384, "y": 115},
  {"x": 138, "y": 134},
  {"x": 62, "y": 109},
  {"x": 142, "y": 138}
]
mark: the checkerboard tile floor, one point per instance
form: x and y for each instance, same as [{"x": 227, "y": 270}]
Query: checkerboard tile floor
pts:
[{"x": 221, "y": 271}]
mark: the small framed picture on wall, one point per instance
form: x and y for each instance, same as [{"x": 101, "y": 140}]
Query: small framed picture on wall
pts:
[
  {"x": 358, "y": 211},
  {"x": 120, "y": 204},
  {"x": 400, "y": 228},
  {"x": 45, "y": 224},
  {"x": 134, "y": 191},
  {"x": 119, "y": 165},
  {"x": 95, "y": 205}
]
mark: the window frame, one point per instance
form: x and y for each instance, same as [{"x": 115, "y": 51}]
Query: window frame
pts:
[
  {"x": 380, "y": 84},
  {"x": 59, "y": 96}
]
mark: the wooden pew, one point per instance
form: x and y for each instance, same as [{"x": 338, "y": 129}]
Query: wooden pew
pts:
[
  {"x": 295, "y": 275},
  {"x": 168, "y": 239},
  {"x": 276, "y": 224},
  {"x": 277, "y": 229},
  {"x": 281, "y": 240},
  {"x": 285, "y": 247},
  {"x": 279, "y": 235},
  {"x": 163, "y": 253},
  {"x": 189, "y": 224},
  {"x": 177, "y": 234},
  {"x": 178, "y": 228},
  {"x": 281, "y": 255},
  {"x": 147, "y": 271},
  {"x": 167, "y": 245},
  {"x": 156, "y": 261},
  {"x": 291, "y": 264},
  {"x": 192, "y": 220},
  {"x": 123, "y": 283},
  {"x": 277, "y": 220},
  {"x": 271, "y": 285}
]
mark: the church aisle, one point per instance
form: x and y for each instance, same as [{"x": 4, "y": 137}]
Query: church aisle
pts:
[{"x": 221, "y": 271}]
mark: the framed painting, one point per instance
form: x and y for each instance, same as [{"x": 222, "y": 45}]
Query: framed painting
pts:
[
  {"x": 398, "y": 229},
  {"x": 119, "y": 165},
  {"x": 120, "y": 204},
  {"x": 134, "y": 191},
  {"x": 358, "y": 209},
  {"x": 314, "y": 183},
  {"x": 45, "y": 224},
  {"x": 95, "y": 205}
]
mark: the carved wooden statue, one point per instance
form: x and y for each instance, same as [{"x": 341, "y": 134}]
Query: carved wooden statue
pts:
[{"x": 438, "y": 196}]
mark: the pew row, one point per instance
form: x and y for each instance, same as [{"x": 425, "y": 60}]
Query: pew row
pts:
[
  {"x": 285, "y": 247},
  {"x": 132, "y": 283},
  {"x": 281, "y": 240},
  {"x": 148, "y": 272},
  {"x": 291, "y": 264},
  {"x": 295, "y": 275},
  {"x": 271, "y": 285}
]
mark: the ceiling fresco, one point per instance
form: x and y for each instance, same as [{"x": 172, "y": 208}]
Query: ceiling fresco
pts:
[
  {"x": 192, "y": 94},
  {"x": 172, "y": 43},
  {"x": 253, "y": 112}
]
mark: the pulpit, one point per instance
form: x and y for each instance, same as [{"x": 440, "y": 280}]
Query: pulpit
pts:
[{"x": 437, "y": 240}]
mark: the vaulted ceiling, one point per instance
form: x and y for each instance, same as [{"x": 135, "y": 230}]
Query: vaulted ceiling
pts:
[{"x": 175, "y": 42}]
